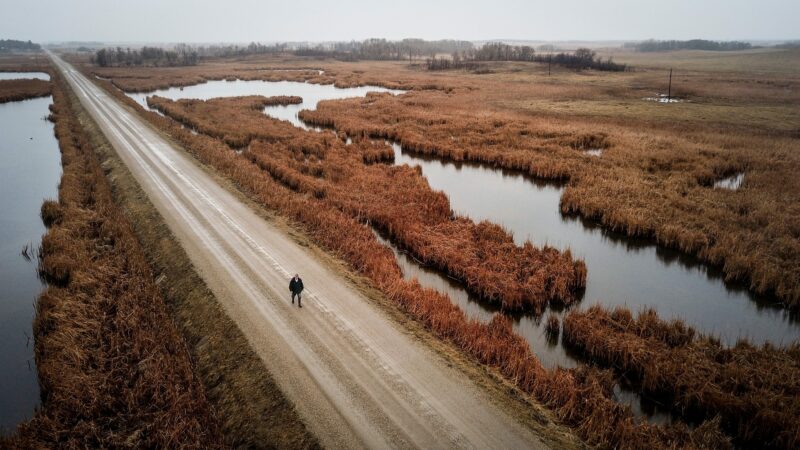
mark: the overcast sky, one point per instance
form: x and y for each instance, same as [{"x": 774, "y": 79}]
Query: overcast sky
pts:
[{"x": 318, "y": 20}]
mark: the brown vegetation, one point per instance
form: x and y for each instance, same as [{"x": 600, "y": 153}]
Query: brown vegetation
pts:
[
  {"x": 580, "y": 398},
  {"x": 396, "y": 200},
  {"x": 653, "y": 184},
  {"x": 755, "y": 391},
  {"x": 22, "y": 89},
  {"x": 113, "y": 370},
  {"x": 553, "y": 327}
]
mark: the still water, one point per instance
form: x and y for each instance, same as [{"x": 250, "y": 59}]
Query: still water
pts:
[
  {"x": 29, "y": 75},
  {"x": 311, "y": 94},
  {"x": 30, "y": 168}
]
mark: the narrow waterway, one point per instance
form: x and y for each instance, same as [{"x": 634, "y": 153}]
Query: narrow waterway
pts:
[
  {"x": 549, "y": 351},
  {"x": 30, "y": 168}
]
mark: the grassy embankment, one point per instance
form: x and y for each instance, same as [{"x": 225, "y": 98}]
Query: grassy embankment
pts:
[{"x": 113, "y": 369}]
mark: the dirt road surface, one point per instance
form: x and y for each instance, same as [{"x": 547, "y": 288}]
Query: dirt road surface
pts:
[{"x": 356, "y": 377}]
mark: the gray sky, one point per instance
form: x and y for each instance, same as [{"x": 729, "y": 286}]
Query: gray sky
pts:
[{"x": 317, "y": 20}]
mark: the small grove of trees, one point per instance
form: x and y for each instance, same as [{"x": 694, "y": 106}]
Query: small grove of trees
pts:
[
  {"x": 693, "y": 44},
  {"x": 11, "y": 45},
  {"x": 181, "y": 55},
  {"x": 582, "y": 58}
]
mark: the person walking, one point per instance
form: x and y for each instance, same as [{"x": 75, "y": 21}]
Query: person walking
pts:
[{"x": 296, "y": 288}]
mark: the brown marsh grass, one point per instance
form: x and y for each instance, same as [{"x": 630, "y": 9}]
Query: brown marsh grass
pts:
[
  {"x": 647, "y": 183},
  {"x": 580, "y": 398},
  {"x": 755, "y": 391},
  {"x": 113, "y": 370},
  {"x": 22, "y": 89}
]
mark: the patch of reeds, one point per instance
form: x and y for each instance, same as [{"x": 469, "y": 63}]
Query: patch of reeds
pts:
[
  {"x": 113, "y": 370},
  {"x": 754, "y": 391},
  {"x": 553, "y": 327},
  {"x": 22, "y": 89}
]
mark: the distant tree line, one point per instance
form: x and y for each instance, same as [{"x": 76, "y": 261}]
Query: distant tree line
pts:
[
  {"x": 382, "y": 49},
  {"x": 254, "y": 48},
  {"x": 694, "y": 44},
  {"x": 181, "y": 55},
  {"x": 789, "y": 44},
  {"x": 582, "y": 58},
  {"x": 11, "y": 45}
]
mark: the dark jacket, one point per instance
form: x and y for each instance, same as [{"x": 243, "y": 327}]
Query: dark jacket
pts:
[{"x": 296, "y": 285}]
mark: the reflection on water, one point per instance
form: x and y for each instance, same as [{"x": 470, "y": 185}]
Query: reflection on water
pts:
[
  {"x": 18, "y": 75},
  {"x": 311, "y": 94},
  {"x": 621, "y": 271},
  {"x": 29, "y": 172}
]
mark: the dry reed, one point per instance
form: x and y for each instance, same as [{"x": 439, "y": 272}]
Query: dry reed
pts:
[
  {"x": 22, "y": 89},
  {"x": 755, "y": 391}
]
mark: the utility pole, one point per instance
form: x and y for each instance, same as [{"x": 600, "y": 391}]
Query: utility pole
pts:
[
  {"x": 669, "y": 89},
  {"x": 549, "y": 63}
]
